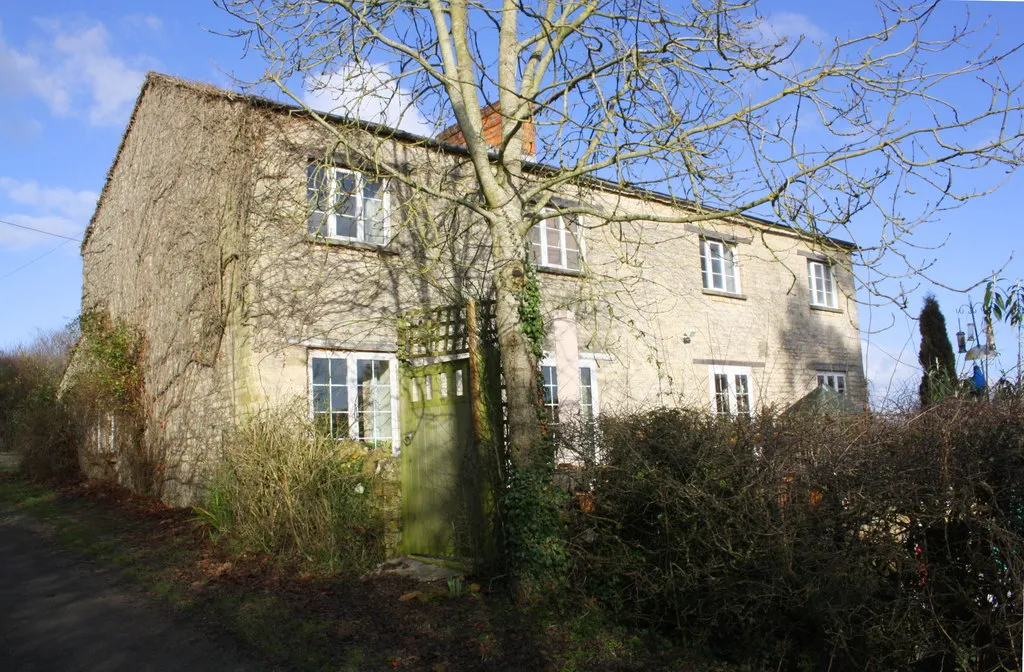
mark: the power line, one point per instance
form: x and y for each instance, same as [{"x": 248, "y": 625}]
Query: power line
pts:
[
  {"x": 26, "y": 265},
  {"x": 49, "y": 233}
]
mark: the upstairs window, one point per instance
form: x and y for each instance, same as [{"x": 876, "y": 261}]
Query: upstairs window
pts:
[
  {"x": 718, "y": 267},
  {"x": 555, "y": 243},
  {"x": 822, "y": 284},
  {"x": 347, "y": 205},
  {"x": 833, "y": 380}
]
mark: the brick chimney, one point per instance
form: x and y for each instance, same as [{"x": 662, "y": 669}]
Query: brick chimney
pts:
[{"x": 492, "y": 131}]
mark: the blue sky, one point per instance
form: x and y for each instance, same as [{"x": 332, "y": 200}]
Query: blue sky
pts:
[{"x": 70, "y": 71}]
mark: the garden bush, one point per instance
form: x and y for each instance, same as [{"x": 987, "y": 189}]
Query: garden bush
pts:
[
  {"x": 285, "y": 488},
  {"x": 811, "y": 542}
]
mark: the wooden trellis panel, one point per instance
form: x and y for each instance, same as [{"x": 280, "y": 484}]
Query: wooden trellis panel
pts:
[{"x": 439, "y": 332}]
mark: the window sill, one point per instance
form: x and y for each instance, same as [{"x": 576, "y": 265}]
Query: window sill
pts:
[
  {"x": 351, "y": 244},
  {"x": 554, "y": 270},
  {"x": 826, "y": 309},
  {"x": 725, "y": 295}
]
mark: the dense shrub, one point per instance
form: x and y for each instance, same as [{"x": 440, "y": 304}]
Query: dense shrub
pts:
[
  {"x": 34, "y": 424},
  {"x": 814, "y": 543},
  {"x": 285, "y": 488}
]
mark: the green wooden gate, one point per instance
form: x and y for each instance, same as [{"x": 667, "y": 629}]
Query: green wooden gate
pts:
[
  {"x": 437, "y": 441},
  {"x": 449, "y": 462}
]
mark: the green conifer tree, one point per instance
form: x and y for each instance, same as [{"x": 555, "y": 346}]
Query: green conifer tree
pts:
[{"x": 936, "y": 355}]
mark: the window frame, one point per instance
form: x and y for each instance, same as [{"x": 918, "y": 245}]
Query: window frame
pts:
[
  {"x": 591, "y": 366},
  {"x": 330, "y": 216},
  {"x": 569, "y": 225},
  {"x": 821, "y": 379},
  {"x": 352, "y": 358},
  {"x": 707, "y": 273},
  {"x": 827, "y": 297},
  {"x": 553, "y": 406},
  {"x": 595, "y": 397},
  {"x": 731, "y": 372}
]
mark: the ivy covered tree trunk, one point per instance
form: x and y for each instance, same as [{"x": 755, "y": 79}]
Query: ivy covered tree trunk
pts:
[{"x": 519, "y": 350}]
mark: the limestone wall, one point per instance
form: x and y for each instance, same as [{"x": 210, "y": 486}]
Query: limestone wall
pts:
[{"x": 162, "y": 253}]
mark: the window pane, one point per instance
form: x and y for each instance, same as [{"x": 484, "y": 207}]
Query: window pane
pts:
[
  {"x": 534, "y": 238},
  {"x": 573, "y": 251},
  {"x": 572, "y": 259},
  {"x": 339, "y": 425},
  {"x": 742, "y": 395},
  {"x": 318, "y": 191},
  {"x": 375, "y": 221},
  {"x": 550, "y": 374},
  {"x": 721, "y": 394},
  {"x": 553, "y": 239},
  {"x": 317, "y": 224},
  {"x": 382, "y": 427},
  {"x": 321, "y": 398},
  {"x": 347, "y": 226},
  {"x": 338, "y": 371},
  {"x": 373, "y": 188},
  {"x": 346, "y": 185},
  {"x": 364, "y": 371},
  {"x": 339, "y": 398},
  {"x": 728, "y": 269},
  {"x": 319, "y": 370}
]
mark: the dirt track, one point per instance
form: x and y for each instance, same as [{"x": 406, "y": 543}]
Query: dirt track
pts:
[{"x": 60, "y": 612}]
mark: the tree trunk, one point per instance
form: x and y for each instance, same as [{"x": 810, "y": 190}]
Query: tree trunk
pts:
[{"x": 519, "y": 365}]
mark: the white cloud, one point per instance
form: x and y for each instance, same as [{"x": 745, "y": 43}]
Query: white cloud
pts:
[
  {"x": 368, "y": 92},
  {"x": 73, "y": 72},
  {"x": 58, "y": 210},
  {"x": 68, "y": 202}
]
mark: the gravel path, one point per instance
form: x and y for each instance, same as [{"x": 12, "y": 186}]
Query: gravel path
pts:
[{"x": 60, "y": 612}]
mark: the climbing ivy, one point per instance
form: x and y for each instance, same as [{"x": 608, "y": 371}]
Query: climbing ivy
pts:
[
  {"x": 534, "y": 527},
  {"x": 113, "y": 355},
  {"x": 529, "y": 310}
]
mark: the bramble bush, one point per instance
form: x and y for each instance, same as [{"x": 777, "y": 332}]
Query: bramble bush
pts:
[{"x": 810, "y": 542}]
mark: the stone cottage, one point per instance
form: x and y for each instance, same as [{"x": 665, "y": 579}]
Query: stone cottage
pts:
[{"x": 267, "y": 260}]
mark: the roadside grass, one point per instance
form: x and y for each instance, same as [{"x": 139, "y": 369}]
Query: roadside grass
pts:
[{"x": 307, "y": 621}]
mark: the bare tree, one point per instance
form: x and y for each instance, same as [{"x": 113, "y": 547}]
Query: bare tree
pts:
[{"x": 702, "y": 100}]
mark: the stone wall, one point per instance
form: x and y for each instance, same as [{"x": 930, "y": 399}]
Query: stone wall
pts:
[{"x": 162, "y": 254}]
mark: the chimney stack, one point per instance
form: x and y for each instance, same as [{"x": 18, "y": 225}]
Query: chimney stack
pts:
[{"x": 492, "y": 131}]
